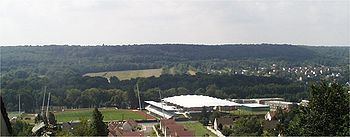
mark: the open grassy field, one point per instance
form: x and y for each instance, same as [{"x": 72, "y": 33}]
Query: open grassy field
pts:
[
  {"x": 198, "y": 128},
  {"x": 109, "y": 114},
  {"x": 128, "y": 74}
]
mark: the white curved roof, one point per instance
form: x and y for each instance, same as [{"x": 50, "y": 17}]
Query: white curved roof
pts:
[{"x": 189, "y": 101}]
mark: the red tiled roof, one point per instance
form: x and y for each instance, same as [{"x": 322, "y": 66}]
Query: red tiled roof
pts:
[
  {"x": 167, "y": 121},
  {"x": 132, "y": 122},
  {"x": 175, "y": 129}
]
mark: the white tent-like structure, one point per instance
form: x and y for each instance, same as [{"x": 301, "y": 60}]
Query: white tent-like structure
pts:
[{"x": 198, "y": 101}]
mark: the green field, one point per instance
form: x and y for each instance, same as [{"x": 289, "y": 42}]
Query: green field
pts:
[
  {"x": 128, "y": 74},
  {"x": 198, "y": 128},
  {"x": 108, "y": 114}
]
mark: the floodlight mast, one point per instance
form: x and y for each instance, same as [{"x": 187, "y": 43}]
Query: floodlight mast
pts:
[
  {"x": 138, "y": 94},
  {"x": 43, "y": 104},
  {"x": 161, "y": 102}
]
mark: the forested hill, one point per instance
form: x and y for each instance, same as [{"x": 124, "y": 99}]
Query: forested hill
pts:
[{"x": 85, "y": 59}]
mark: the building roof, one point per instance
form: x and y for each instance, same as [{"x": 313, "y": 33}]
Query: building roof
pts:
[
  {"x": 161, "y": 113},
  {"x": 132, "y": 122},
  {"x": 254, "y": 105},
  {"x": 224, "y": 121},
  {"x": 190, "y": 101},
  {"x": 280, "y": 102},
  {"x": 162, "y": 106},
  {"x": 175, "y": 129}
]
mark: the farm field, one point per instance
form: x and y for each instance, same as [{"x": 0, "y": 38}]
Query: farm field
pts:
[
  {"x": 109, "y": 114},
  {"x": 198, "y": 128},
  {"x": 128, "y": 74}
]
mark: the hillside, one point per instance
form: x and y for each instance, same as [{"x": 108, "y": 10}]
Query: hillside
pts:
[{"x": 85, "y": 59}]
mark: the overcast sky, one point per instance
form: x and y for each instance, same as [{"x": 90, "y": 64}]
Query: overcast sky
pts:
[{"x": 91, "y": 22}]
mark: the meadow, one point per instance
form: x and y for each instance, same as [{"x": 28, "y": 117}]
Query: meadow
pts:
[
  {"x": 128, "y": 74},
  {"x": 109, "y": 114}
]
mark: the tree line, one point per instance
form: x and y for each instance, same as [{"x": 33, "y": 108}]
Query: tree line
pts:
[{"x": 77, "y": 91}]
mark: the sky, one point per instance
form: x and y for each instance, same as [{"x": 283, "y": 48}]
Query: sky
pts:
[{"x": 119, "y": 22}]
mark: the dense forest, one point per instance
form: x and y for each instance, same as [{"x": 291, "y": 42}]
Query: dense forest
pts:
[
  {"x": 46, "y": 60},
  {"x": 25, "y": 70}
]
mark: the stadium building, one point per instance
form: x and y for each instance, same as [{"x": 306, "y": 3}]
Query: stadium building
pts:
[{"x": 188, "y": 104}]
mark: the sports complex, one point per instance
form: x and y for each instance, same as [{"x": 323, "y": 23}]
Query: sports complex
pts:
[{"x": 188, "y": 104}]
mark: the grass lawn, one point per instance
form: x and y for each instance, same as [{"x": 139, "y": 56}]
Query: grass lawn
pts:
[
  {"x": 109, "y": 114},
  {"x": 198, "y": 128},
  {"x": 128, "y": 74}
]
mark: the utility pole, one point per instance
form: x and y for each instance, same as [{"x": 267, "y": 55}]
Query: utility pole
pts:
[{"x": 138, "y": 94}]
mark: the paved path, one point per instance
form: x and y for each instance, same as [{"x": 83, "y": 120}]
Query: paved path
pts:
[{"x": 218, "y": 133}]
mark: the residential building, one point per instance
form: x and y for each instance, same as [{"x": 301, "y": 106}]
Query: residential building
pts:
[
  {"x": 223, "y": 122},
  {"x": 171, "y": 129},
  {"x": 282, "y": 104}
]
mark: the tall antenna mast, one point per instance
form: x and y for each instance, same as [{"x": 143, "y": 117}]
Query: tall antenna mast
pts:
[
  {"x": 138, "y": 94},
  {"x": 43, "y": 104}
]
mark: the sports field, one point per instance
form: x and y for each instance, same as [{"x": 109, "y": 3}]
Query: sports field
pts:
[
  {"x": 109, "y": 114},
  {"x": 128, "y": 74},
  {"x": 198, "y": 128}
]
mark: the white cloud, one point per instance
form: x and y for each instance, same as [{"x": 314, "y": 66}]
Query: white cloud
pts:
[{"x": 211, "y": 22}]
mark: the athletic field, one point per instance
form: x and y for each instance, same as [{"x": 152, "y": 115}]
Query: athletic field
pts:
[
  {"x": 109, "y": 114},
  {"x": 128, "y": 74}
]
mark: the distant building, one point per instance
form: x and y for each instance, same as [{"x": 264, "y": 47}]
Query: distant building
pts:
[
  {"x": 188, "y": 104},
  {"x": 171, "y": 129},
  {"x": 263, "y": 100},
  {"x": 244, "y": 101},
  {"x": 224, "y": 122},
  {"x": 195, "y": 103},
  {"x": 254, "y": 107},
  {"x": 282, "y": 104}
]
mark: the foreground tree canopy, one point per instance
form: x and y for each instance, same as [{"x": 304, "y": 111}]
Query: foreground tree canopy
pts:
[{"x": 326, "y": 115}]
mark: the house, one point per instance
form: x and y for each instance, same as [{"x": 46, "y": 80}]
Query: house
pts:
[
  {"x": 170, "y": 128},
  {"x": 130, "y": 125},
  {"x": 127, "y": 128},
  {"x": 271, "y": 115},
  {"x": 270, "y": 122},
  {"x": 224, "y": 122}
]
